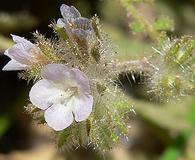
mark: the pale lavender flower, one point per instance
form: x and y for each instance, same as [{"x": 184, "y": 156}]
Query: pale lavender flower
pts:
[
  {"x": 22, "y": 54},
  {"x": 69, "y": 12},
  {"x": 64, "y": 94},
  {"x": 74, "y": 24}
]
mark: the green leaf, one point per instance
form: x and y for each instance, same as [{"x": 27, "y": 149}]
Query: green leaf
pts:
[
  {"x": 137, "y": 27},
  {"x": 156, "y": 115},
  {"x": 171, "y": 154},
  {"x": 95, "y": 25},
  {"x": 60, "y": 32},
  {"x": 95, "y": 52},
  {"x": 164, "y": 23},
  {"x": 63, "y": 138},
  {"x": 191, "y": 114},
  {"x": 186, "y": 50}
]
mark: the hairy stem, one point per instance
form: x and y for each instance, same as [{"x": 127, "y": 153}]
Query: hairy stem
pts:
[
  {"x": 133, "y": 65},
  {"x": 152, "y": 33}
]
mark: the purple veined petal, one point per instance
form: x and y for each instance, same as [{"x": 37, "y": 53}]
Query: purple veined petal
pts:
[
  {"x": 69, "y": 12},
  {"x": 25, "y": 47},
  {"x": 55, "y": 72},
  {"x": 43, "y": 94},
  {"x": 75, "y": 11},
  {"x": 80, "y": 33},
  {"x": 83, "y": 23},
  {"x": 81, "y": 107},
  {"x": 14, "y": 65},
  {"x": 22, "y": 40},
  {"x": 17, "y": 53},
  {"x": 60, "y": 75},
  {"x": 58, "y": 117},
  {"x": 81, "y": 80},
  {"x": 68, "y": 78}
]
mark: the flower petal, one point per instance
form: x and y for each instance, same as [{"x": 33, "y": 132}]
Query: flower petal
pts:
[
  {"x": 14, "y": 65},
  {"x": 22, "y": 40},
  {"x": 68, "y": 77},
  {"x": 54, "y": 72},
  {"x": 58, "y": 117},
  {"x": 81, "y": 80},
  {"x": 69, "y": 12},
  {"x": 44, "y": 94},
  {"x": 81, "y": 107},
  {"x": 80, "y": 34},
  {"x": 17, "y": 53},
  {"x": 83, "y": 23},
  {"x": 61, "y": 22}
]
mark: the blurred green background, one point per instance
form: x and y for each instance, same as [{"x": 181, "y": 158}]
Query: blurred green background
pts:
[{"x": 158, "y": 131}]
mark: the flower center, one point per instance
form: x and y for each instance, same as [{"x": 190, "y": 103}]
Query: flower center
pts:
[{"x": 66, "y": 95}]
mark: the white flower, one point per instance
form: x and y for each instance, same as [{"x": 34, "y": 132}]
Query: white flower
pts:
[
  {"x": 22, "y": 54},
  {"x": 64, "y": 94}
]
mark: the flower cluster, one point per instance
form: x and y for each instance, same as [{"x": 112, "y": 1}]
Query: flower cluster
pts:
[
  {"x": 62, "y": 92},
  {"x": 74, "y": 91},
  {"x": 75, "y": 26}
]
